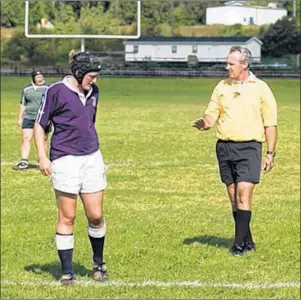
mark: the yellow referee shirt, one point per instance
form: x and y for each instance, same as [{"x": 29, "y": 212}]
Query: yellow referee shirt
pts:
[{"x": 242, "y": 109}]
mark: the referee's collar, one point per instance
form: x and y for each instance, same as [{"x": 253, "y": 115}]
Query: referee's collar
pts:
[{"x": 251, "y": 78}]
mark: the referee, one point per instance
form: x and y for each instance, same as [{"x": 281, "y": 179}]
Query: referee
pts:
[{"x": 245, "y": 111}]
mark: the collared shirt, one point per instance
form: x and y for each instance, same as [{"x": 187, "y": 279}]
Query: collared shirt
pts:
[
  {"x": 73, "y": 118},
  {"x": 242, "y": 109},
  {"x": 31, "y": 98}
]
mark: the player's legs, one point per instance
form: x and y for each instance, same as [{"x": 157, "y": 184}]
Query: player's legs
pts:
[
  {"x": 66, "y": 182},
  {"x": 27, "y": 134},
  {"x": 92, "y": 195},
  {"x": 93, "y": 205},
  {"x": 66, "y": 204}
]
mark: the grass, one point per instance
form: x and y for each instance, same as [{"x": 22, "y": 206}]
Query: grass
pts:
[{"x": 168, "y": 215}]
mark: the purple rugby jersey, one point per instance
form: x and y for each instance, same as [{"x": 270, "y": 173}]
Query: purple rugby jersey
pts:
[{"x": 73, "y": 117}]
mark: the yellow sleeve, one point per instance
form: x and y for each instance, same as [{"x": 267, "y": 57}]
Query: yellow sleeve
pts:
[
  {"x": 214, "y": 107},
  {"x": 268, "y": 106}
]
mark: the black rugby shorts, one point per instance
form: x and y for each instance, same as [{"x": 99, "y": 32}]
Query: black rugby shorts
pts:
[{"x": 239, "y": 161}]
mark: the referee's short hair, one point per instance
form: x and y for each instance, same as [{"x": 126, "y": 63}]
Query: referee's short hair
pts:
[{"x": 246, "y": 55}]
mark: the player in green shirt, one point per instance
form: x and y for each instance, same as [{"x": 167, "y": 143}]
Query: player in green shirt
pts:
[{"x": 31, "y": 99}]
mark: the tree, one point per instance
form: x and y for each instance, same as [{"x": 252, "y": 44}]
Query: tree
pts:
[
  {"x": 12, "y": 13},
  {"x": 281, "y": 38},
  {"x": 197, "y": 9}
]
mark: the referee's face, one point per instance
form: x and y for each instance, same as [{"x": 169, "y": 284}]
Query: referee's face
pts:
[{"x": 235, "y": 66}]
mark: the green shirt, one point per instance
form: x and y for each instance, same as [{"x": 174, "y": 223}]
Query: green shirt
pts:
[{"x": 31, "y": 98}]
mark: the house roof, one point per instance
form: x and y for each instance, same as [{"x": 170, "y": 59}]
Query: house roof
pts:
[
  {"x": 239, "y": 3},
  {"x": 205, "y": 39}
]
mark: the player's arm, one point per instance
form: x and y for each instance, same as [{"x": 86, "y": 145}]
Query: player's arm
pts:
[
  {"x": 21, "y": 109},
  {"x": 42, "y": 121},
  {"x": 212, "y": 113},
  {"x": 39, "y": 138}
]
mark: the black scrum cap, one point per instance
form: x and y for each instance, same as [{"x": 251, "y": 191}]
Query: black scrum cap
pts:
[{"x": 82, "y": 63}]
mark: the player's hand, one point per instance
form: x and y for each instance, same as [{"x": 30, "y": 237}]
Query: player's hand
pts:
[
  {"x": 45, "y": 166},
  {"x": 20, "y": 123},
  {"x": 268, "y": 163},
  {"x": 200, "y": 124}
]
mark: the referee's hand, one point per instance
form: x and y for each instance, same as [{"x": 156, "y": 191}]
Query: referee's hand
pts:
[
  {"x": 45, "y": 166},
  {"x": 268, "y": 163},
  {"x": 199, "y": 124}
]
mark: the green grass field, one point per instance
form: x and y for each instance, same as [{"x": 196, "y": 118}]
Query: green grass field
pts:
[{"x": 168, "y": 216}]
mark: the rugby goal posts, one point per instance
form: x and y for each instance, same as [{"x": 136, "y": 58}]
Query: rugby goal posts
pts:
[{"x": 83, "y": 36}]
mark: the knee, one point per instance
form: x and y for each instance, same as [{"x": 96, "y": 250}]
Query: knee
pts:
[
  {"x": 97, "y": 231},
  {"x": 243, "y": 197},
  {"x": 67, "y": 221},
  {"x": 26, "y": 139},
  {"x": 96, "y": 220}
]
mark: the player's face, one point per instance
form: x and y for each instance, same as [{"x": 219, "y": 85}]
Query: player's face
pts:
[
  {"x": 235, "y": 66},
  {"x": 89, "y": 80},
  {"x": 39, "y": 79}
]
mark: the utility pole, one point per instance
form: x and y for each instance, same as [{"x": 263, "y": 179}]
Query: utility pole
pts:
[{"x": 294, "y": 9}]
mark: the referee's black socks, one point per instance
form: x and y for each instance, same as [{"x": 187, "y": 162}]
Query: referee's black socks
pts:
[{"x": 242, "y": 226}]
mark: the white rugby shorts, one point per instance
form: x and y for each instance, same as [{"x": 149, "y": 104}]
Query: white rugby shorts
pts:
[{"x": 79, "y": 174}]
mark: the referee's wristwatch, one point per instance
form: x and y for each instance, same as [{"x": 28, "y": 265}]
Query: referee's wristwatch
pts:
[{"x": 273, "y": 153}]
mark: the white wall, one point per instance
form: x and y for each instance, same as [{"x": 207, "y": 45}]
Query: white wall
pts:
[
  {"x": 230, "y": 15},
  {"x": 214, "y": 52}
]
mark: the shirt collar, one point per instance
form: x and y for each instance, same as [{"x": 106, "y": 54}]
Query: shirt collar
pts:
[
  {"x": 70, "y": 87},
  {"x": 36, "y": 86},
  {"x": 251, "y": 78}
]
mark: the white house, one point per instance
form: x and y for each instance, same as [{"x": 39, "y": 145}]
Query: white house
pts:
[
  {"x": 235, "y": 12},
  {"x": 179, "y": 49}
]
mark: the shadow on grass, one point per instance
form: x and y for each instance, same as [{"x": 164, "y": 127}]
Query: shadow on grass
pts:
[
  {"x": 55, "y": 269},
  {"x": 211, "y": 240}
]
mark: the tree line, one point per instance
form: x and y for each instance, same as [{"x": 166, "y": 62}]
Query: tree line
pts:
[
  {"x": 169, "y": 11},
  {"x": 159, "y": 18}
]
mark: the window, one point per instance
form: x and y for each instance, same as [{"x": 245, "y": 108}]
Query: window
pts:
[
  {"x": 136, "y": 48},
  {"x": 174, "y": 48},
  {"x": 194, "y": 49}
]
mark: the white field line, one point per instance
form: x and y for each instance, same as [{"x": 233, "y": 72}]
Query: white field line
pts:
[{"x": 160, "y": 284}]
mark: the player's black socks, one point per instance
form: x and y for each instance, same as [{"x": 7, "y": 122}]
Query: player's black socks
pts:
[
  {"x": 66, "y": 261},
  {"x": 97, "y": 247},
  {"x": 64, "y": 245}
]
